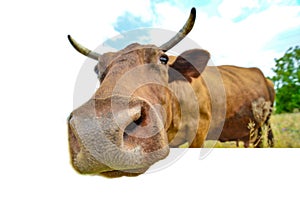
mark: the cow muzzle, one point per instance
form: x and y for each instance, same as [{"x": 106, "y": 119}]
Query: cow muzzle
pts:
[{"x": 116, "y": 136}]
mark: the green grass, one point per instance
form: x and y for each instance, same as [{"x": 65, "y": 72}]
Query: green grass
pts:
[{"x": 286, "y": 130}]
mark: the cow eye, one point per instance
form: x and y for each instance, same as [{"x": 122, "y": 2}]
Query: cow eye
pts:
[
  {"x": 164, "y": 59},
  {"x": 96, "y": 70}
]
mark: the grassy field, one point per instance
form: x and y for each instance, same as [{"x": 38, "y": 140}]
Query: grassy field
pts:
[{"x": 286, "y": 129}]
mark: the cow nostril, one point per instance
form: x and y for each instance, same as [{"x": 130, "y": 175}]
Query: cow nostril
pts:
[
  {"x": 140, "y": 121},
  {"x": 136, "y": 129},
  {"x": 130, "y": 130},
  {"x": 133, "y": 125}
]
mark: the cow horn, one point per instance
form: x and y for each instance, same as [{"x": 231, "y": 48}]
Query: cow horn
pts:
[
  {"x": 182, "y": 33},
  {"x": 83, "y": 50}
]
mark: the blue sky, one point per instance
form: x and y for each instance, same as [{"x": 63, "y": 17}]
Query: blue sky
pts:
[{"x": 246, "y": 33}]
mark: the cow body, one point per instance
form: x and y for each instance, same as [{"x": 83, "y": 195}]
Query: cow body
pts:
[{"x": 243, "y": 87}]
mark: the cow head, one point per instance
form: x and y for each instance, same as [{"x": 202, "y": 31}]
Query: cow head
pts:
[{"x": 122, "y": 129}]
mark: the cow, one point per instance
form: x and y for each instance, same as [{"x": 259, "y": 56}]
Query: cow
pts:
[{"x": 148, "y": 102}]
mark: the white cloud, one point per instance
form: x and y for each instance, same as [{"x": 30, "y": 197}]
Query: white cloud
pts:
[
  {"x": 135, "y": 7},
  {"x": 231, "y": 9},
  {"x": 243, "y": 43},
  {"x": 169, "y": 16}
]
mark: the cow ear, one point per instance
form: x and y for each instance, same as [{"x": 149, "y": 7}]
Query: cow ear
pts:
[{"x": 190, "y": 64}]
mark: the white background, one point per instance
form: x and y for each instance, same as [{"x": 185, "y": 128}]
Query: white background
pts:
[{"x": 38, "y": 74}]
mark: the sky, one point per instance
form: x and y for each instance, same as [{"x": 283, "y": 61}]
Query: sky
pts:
[{"x": 248, "y": 33}]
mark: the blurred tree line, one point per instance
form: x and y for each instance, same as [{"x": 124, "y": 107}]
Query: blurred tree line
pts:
[{"x": 287, "y": 81}]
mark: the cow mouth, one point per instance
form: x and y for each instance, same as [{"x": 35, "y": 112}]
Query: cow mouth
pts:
[{"x": 120, "y": 173}]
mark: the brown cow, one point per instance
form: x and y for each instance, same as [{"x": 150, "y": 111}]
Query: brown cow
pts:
[{"x": 146, "y": 104}]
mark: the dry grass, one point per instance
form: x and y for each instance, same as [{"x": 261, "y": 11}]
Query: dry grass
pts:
[{"x": 286, "y": 129}]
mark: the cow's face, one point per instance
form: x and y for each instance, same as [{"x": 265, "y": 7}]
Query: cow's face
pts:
[{"x": 122, "y": 129}]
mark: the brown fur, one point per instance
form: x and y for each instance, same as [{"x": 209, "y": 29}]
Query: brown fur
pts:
[{"x": 243, "y": 87}]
